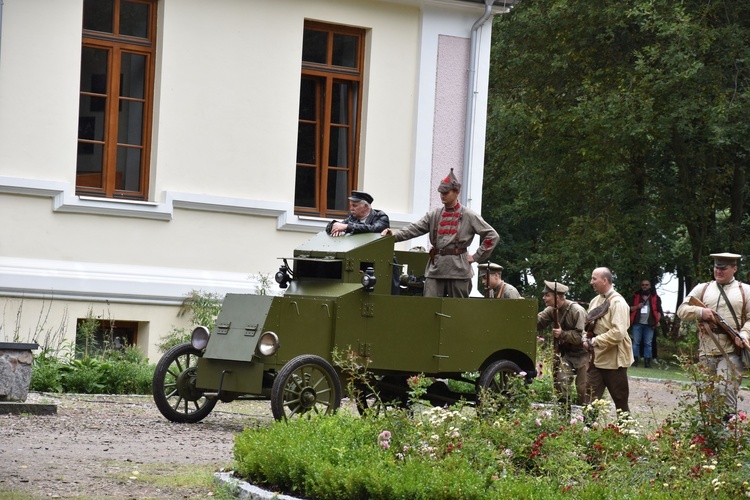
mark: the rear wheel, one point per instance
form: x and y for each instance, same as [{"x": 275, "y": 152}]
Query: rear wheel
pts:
[
  {"x": 305, "y": 385},
  {"x": 175, "y": 393},
  {"x": 496, "y": 376},
  {"x": 494, "y": 388}
]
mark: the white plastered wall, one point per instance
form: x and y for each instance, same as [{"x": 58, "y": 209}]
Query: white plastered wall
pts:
[{"x": 222, "y": 180}]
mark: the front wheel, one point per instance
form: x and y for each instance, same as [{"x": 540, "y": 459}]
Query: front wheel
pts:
[
  {"x": 306, "y": 384},
  {"x": 175, "y": 393}
]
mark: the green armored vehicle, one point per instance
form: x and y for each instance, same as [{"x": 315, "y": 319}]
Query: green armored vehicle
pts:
[{"x": 340, "y": 294}]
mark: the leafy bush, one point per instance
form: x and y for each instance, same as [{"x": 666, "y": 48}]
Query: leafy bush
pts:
[{"x": 526, "y": 450}]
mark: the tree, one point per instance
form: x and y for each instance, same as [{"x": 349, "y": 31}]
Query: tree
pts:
[{"x": 616, "y": 137}]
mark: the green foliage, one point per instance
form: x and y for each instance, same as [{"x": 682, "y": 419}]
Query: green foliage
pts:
[
  {"x": 617, "y": 137},
  {"x": 525, "y": 450},
  {"x": 202, "y": 307}
]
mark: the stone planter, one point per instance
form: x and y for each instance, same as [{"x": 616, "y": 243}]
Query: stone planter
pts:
[{"x": 15, "y": 370}]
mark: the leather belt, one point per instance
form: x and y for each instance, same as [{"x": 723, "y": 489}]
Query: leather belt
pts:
[{"x": 450, "y": 251}]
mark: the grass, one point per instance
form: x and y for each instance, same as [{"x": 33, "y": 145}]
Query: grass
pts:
[{"x": 670, "y": 370}]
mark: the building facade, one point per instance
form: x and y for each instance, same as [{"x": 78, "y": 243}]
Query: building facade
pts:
[{"x": 153, "y": 147}]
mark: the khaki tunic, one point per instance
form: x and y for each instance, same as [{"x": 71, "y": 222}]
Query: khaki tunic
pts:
[
  {"x": 452, "y": 229},
  {"x": 572, "y": 318},
  {"x": 509, "y": 291},
  {"x": 614, "y": 349},
  {"x": 710, "y": 296}
]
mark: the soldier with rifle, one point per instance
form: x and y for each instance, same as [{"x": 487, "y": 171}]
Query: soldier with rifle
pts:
[
  {"x": 722, "y": 309},
  {"x": 567, "y": 320},
  {"x": 494, "y": 286}
]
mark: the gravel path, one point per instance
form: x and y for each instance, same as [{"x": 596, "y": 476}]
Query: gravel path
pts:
[{"x": 94, "y": 444}]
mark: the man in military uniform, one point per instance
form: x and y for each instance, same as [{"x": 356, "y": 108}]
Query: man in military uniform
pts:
[
  {"x": 731, "y": 300},
  {"x": 499, "y": 289},
  {"x": 611, "y": 345},
  {"x": 451, "y": 229},
  {"x": 362, "y": 217},
  {"x": 568, "y": 334}
]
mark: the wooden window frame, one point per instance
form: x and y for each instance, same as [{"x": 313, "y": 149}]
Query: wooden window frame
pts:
[
  {"x": 330, "y": 74},
  {"x": 116, "y": 44}
]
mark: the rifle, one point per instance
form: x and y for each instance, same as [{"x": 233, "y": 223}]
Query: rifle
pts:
[
  {"x": 555, "y": 340},
  {"x": 728, "y": 329},
  {"x": 487, "y": 280}
]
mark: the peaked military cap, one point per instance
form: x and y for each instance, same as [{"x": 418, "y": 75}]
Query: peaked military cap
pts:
[
  {"x": 494, "y": 268},
  {"x": 449, "y": 183},
  {"x": 360, "y": 196},
  {"x": 549, "y": 286},
  {"x": 722, "y": 260}
]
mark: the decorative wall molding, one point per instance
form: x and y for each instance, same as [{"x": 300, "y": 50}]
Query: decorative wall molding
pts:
[
  {"x": 65, "y": 200},
  {"x": 53, "y": 279}
]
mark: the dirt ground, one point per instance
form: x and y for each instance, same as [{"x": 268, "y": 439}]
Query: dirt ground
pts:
[{"x": 109, "y": 446}]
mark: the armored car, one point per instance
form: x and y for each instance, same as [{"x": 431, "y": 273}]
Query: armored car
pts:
[{"x": 347, "y": 293}]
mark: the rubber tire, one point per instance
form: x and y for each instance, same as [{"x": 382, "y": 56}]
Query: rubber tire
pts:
[
  {"x": 487, "y": 378},
  {"x": 176, "y": 363},
  {"x": 301, "y": 378}
]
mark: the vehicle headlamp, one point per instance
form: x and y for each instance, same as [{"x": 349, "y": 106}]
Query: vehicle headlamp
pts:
[
  {"x": 268, "y": 343},
  {"x": 199, "y": 337},
  {"x": 284, "y": 275},
  {"x": 369, "y": 279}
]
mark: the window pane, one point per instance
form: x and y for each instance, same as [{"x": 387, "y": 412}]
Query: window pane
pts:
[
  {"x": 306, "y": 143},
  {"x": 337, "y": 152},
  {"x": 305, "y": 188},
  {"x": 344, "y": 51},
  {"x": 94, "y": 68},
  {"x": 308, "y": 99},
  {"x": 128, "y": 175},
  {"x": 314, "y": 46},
  {"x": 133, "y": 71},
  {"x": 130, "y": 123},
  {"x": 134, "y": 19},
  {"x": 98, "y": 15},
  {"x": 90, "y": 125},
  {"x": 338, "y": 189},
  {"x": 340, "y": 103},
  {"x": 89, "y": 165}
]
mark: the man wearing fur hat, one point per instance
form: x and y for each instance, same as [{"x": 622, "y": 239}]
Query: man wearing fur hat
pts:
[
  {"x": 362, "y": 217},
  {"x": 451, "y": 229},
  {"x": 568, "y": 333},
  {"x": 498, "y": 288},
  {"x": 731, "y": 300}
]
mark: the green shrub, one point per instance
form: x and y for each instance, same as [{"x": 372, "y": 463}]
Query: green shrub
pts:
[
  {"x": 46, "y": 373},
  {"x": 520, "y": 449}
]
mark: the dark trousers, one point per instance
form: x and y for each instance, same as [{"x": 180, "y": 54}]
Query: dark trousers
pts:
[{"x": 615, "y": 381}]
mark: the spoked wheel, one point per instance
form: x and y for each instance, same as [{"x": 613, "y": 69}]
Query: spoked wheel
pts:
[
  {"x": 390, "y": 392},
  {"x": 495, "y": 380},
  {"x": 175, "y": 393},
  {"x": 305, "y": 385}
]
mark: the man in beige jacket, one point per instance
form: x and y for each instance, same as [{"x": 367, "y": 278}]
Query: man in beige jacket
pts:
[{"x": 611, "y": 344}]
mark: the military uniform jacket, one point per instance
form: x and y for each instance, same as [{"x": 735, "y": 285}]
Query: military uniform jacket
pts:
[
  {"x": 509, "y": 291},
  {"x": 572, "y": 318},
  {"x": 375, "y": 222},
  {"x": 451, "y": 229},
  {"x": 614, "y": 349},
  {"x": 709, "y": 294}
]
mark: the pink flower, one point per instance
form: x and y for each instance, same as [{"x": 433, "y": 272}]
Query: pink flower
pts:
[
  {"x": 538, "y": 422},
  {"x": 522, "y": 374},
  {"x": 385, "y": 445}
]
